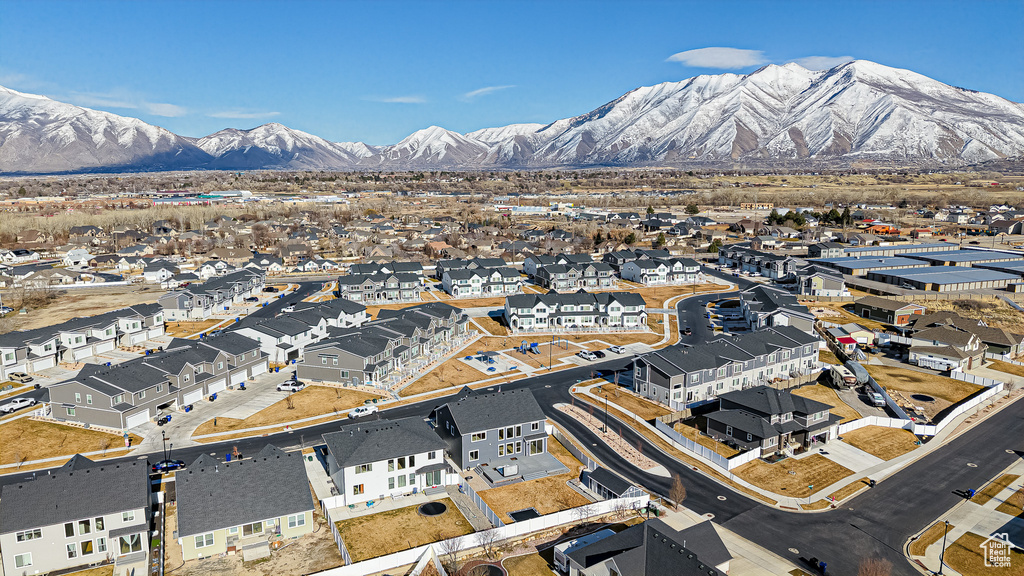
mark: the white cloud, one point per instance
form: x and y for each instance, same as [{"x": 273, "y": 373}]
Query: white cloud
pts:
[
  {"x": 164, "y": 109},
  {"x": 823, "y": 62},
  {"x": 718, "y": 57},
  {"x": 398, "y": 99},
  {"x": 125, "y": 101},
  {"x": 485, "y": 91},
  {"x": 240, "y": 115},
  {"x": 100, "y": 100}
]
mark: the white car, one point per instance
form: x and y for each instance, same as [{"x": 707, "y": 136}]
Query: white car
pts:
[
  {"x": 362, "y": 411},
  {"x": 17, "y": 404},
  {"x": 876, "y": 399},
  {"x": 290, "y": 386},
  {"x": 587, "y": 355},
  {"x": 616, "y": 349}
]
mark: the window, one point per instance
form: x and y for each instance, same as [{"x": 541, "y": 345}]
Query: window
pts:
[
  {"x": 84, "y": 527},
  {"x": 86, "y": 547},
  {"x": 69, "y": 529},
  {"x": 357, "y": 489},
  {"x": 728, "y": 430},
  {"x": 204, "y": 540},
  {"x": 401, "y": 481},
  {"x": 474, "y": 455},
  {"x": 101, "y": 545},
  {"x": 296, "y": 520},
  {"x": 23, "y": 560},
  {"x": 501, "y": 433},
  {"x": 510, "y": 432},
  {"x": 749, "y": 436},
  {"x": 28, "y": 535},
  {"x": 78, "y": 398},
  {"x": 363, "y": 468},
  {"x": 479, "y": 436},
  {"x": 233, "y": 530},
  {"x": 535, "y": 426},
  {"x": 536, "y": 447},
  {"x": 519, "y": 447},
  {"x": 254, "y": 353},
  {"x": 128, "y": 516},
  {"x": 142, "y": 394},
  {"x": 72, "y": 550},
  {"x": 412, "y": 461},
  {"x": 250, "y": 529},
  {"x": 412, "y": 479},
  {"x": 220, "y": 365},
  {"x": 391, "y": 483},
  {"x": 401, "y": 463},
  {"x": 431, "y": 455},
  {"x": 88, "y": 399},
  {"x": 501, "y": 449}
]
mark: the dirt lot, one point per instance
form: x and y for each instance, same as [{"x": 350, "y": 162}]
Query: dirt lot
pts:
[
  {"x": 526, "y": 565},
  {"x": 491, "y": 325},
  {"x": 26, "y": 439},
  {"x": 82, "y": 302},
  {"x": 840, "y": 313},
  {"x": 945, "y": 391},
  {"x": 546, "y": 495},
  {"x": 396, "y": 530},
  {"x": 640, "y": 406},
  {"x": 823, "y": 393},
  {"x": 310, "y": 401},
  {"x": 966, "y": 557},
  {"x": 814, "y": 469},
  {"x": 306, "y": 555},
  {"x": 995, "y": 313},
  {"x": 185, "y": 329},
  {"x": 885, "y": 443}
]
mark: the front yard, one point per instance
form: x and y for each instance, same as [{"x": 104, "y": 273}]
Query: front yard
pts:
[
  {"x": 308, "y": 402},
  {"x": 823, "y": 393},
  {"x": 25, "y": 439},
  {"x": 392, "y": 531},
  {"x": 905, "y": 382},
  {"x": 1006, "y": 367},
  {"x": 884, "y": 443},
  {"x": 791, "y": 477},
  {"x": 694, "y": 434},
  {"x": 546, "y": 495},
  {"x": 966, "y": 556}
]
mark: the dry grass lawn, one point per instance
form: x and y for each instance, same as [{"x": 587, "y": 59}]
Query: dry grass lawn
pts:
[
  {"x": 994, "y": 312},
  {"x": 526, "y": 565},
  {"x": 491, "y": 325},
  {"x": 966, "y": 557},
  {"x": 841, "y": 313},
  {"x": 839, "y": 495},
  {"x": 928, "y": 537},
  {"x": 449, "y": 374},
  {"x": 946, "y": 391},
  {"x": 546, "y": 495},
  {"x": 107, "y": 570},
  {"x": 655, "y": 296},
  {"x": 1014, "y": 505},
  {"x": 1007, "y": 368},
  {"x": 640, "y": 406},
  {"x": 25, "y": 440},
  {"x": 396, "y": 530},
  {"x": 706, "y": 441},
  {"x": 310, "y": 401},
  {"x": 823, "y": 393},
  {"x": 825, "y": 355},
  {"x": 184, "y": 329},
  {"x": 884, "y": 443},
  {"x": 79, "y": 303},
  {"x": 994, "y": 488},
  {"x": 814, "y": 469}
]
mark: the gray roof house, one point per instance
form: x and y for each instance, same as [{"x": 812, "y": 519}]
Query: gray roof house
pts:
[
  {"x": 225, "y": 506},
  {"x": 553, "y": 312},
  {"x": 80, "y": 514},
  {"x": 772, "y": 420},
  {"x": 654, "y": 549}
]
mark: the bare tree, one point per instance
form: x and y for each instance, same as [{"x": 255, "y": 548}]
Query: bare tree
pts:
[
  {"x": 289, "y": 402},
  {"x": 874, "y": 567},
  {"x": 450, "y": 549},
  {"x": 677, "y": 492},
  {"x": 581, "y": 513},
  {"x": 487, "y": 540}
]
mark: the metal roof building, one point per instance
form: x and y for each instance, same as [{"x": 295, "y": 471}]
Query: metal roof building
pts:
[
  {"x": 861, "y": 266},
  {"x": 945, "y": 278},
  {"x": 894, "y": 249},
  {"x": 966, "y": 257}
]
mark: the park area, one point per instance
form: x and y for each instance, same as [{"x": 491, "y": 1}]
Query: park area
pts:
[
  {"x": 903, "y": 384},
  {"x": 791, "y": 477},
  {"x": 391, "y": 531},
  {"x": 545, "y": 495},
  {"x": 308, "y": 402}
]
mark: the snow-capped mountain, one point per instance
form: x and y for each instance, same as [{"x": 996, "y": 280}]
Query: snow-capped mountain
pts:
[{"x": 856, "y": 112}]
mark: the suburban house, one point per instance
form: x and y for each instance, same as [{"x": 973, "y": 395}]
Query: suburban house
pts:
[
  {"x": 383, "y": 288},
  {"x": 129, "y": 394},
  {"x": 82, "y": 513},
  {"x": 483, "y": 428},
  {"x": 224, "y": 507},
  {"x": 608, "y": 484},
  {"x": 78, "y": 339},
  {"x": 375, "y": 460},
  {"x": 764, "y": 306},
  {"x": 553, "y": 312},
  {"x": 283, "y": 339},
  {"x": 565, "y": 277},
  {"x": 826, "y": 250},
  {"x": 481, "y": 282},
  {"x": 200, "y": 301},
  {"x": 774, "y": 266},
  {"x": 662, "y": 271},
  {"x": 683, "y": 376},
  {"x": 387, "y": 350},
  {"x": 653, "y": 548},
  {"x": 944, "y": 347},
  {"x": 887, "y": 311},
  {"x": 772, "y": 420},
  {"x": 443, "y": 266},
  {"x": 817, "y": 281},
  {"x": 387, "y": 267},
  {"x": 998, "y": 340}
]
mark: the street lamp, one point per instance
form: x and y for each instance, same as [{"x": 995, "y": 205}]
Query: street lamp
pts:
[
  {"x": 164, "y": 443},
  {"x": 942, "y": 553}
]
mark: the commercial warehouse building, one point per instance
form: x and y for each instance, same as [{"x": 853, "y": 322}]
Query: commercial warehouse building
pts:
[
  {"x": 966, "y": 257},
  {"x": 862, "y": 266},
  {"x": 896, "y": 249},
  {"x": 945, "y": 278}
]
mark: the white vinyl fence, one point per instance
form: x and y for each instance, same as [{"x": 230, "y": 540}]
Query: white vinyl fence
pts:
[
  {"x": 470, "y": 541},
  {"x": 683, "y": 443}
]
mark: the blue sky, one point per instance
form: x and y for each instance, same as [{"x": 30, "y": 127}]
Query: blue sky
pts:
[{"x": 377, "y": 71}]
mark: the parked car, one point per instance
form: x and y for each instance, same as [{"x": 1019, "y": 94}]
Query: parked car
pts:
[
  {"x": 20, "y": 377},
  {"x": 598, "y": 353},
  {"x": 290, "y": 386},
  {"x": 270, "y": 289},
  {"x": 17, "y": 404},
  {"x": 616, "y": 349},
  {"x": 6, "y": 309},
  {"x": 168, "y": 466},
  {"x": 288, "y": 308},
  {"x": 876, "y": 399},
  {"x": 687, "y": 331},
  {"x": 586, "y": 355},
  {"x": 362, "y": 411},
  {"x": 252, "y": 299}
]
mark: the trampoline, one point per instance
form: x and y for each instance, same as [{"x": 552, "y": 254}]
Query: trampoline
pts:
[
  {"x": 524, "y": 514},
  {"x": 922, "y": 398},
  {"x": 432, "y": 509}
]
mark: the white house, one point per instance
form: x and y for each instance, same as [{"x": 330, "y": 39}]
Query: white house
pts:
[
  {"x": 76, "y": 257},
  {"x": 662, "y": 271}
]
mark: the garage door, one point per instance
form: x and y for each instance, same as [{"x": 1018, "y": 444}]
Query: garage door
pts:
[
  {"x": 43, "y": 364},
  {"x": 218, "y": 386},
  {"x": 193, "y": 396},
  {"x": 258, "y": 369},
  {"x": 137, "y": 419},
  {"x": 81, "y": 353},
  {"x": 138, "y": 338},
  {"x": 105, "y": 346},
  {"x": 237, "y": 378}
]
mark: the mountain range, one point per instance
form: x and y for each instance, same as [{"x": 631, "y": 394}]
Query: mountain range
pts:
[{"x": 859, "y": 112}]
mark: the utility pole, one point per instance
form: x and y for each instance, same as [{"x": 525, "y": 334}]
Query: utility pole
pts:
[{"x": 942, "y": 553}]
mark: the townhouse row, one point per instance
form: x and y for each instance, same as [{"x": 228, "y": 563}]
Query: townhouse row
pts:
[
  {"x": 200, "y": 301},
  {"x": 553, "y": 312}
]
